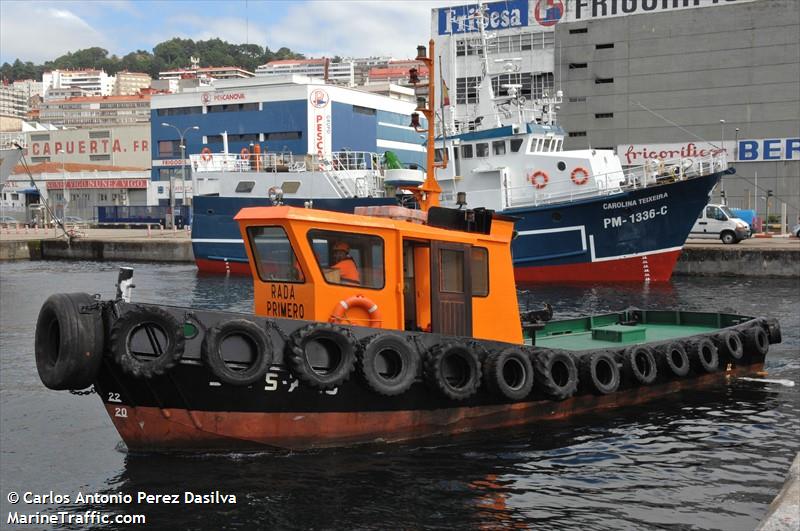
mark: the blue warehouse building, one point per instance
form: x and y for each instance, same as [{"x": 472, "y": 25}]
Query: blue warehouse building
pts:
[{"x": 295, "y": 114}]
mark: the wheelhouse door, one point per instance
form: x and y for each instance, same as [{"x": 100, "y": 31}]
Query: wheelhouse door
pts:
[{"x": 451, "y": 289}]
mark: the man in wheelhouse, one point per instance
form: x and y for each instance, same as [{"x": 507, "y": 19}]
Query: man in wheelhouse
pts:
[{"x": 345, "y": 264}]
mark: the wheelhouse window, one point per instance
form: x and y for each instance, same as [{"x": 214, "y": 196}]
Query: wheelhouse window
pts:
[
  {"x": 274, "y": 256},
  {"x": 480, "y": 272},
  {"x": 349, "y": 259},
  {"x": 451, "y": 275},
  {"x": 482, "y": 149}
]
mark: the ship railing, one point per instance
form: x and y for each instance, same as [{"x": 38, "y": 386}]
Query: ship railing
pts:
[
  {"x": 633, "y": 178},
  {"x": 284, "y": 161}
]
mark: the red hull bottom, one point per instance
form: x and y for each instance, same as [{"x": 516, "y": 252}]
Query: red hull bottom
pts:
[
  {"x": 151, "y": 428},
  {"x": 656, "y": 267},
  {"x": 221, "y": 267}
]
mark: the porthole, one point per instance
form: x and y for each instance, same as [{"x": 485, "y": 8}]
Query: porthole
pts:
[{"x": 561, "y": 165}]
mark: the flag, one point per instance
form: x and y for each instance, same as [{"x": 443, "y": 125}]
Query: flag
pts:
[{"x": 445, "y": 94}]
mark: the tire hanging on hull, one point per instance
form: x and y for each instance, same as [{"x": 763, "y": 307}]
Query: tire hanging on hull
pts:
[
  {"x": 672, "y": 360},
  {"x": 508, "y": 374},
  {"x": 598, "y": 373},
  {"x": 256, "y": 338},
  {"x": 68, "y": 342},
  {"x": 453, "y": 368},
  {"x": 703, "y": 355},
  {"x": 555, "y": 373},
  {"x": 322, "y": 354},
  {"x": 639, "y": 364},
  {"x": 157, "y": 325},
  {"x": 388, "y": 364}
]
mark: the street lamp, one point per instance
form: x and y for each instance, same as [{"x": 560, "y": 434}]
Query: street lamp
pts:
[
  {"x": 183, "y": 168},
  {"x": 725, "y": 155},
  {"x": 64, "y": 179}
]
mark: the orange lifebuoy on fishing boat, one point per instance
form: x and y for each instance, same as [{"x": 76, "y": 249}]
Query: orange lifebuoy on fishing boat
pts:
[
  {"x": 244, "y": 154},
  {"x": 580, "y": 180},
  {"x": 205, "y": 154},
  {"x": 357, "y": 301},
  {"x": 539, "y": 179}
]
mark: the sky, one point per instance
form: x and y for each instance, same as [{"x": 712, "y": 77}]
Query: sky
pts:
[{"x": 40, "y": 30}]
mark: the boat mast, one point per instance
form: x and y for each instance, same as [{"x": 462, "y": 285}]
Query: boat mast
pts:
[{"x": 427, "y": 194}]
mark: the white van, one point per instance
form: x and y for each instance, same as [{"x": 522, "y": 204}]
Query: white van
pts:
[{"x": 718, "y": 222}]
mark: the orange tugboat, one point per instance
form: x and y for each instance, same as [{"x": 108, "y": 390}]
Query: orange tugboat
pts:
[{"x": 385, "y": 325}]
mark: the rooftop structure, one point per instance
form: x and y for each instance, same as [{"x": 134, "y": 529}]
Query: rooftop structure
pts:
[
  {"x": 340, "y": 72},
  {"x": 96, "y": 110}
]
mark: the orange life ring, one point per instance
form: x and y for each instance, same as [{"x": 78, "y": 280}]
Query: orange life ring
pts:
[
  {"x": 206, "y": 154},
  {"x": 244, "y": 154},
  {"x": 357, "y": 301},
  {"x": 534, "y": 179},
  {"x": 580, "y": 180}
]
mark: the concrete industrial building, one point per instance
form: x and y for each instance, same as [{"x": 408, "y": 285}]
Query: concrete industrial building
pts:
[
  {"x": 650, "y": 79},
  {"x": 92, "y": 111}
]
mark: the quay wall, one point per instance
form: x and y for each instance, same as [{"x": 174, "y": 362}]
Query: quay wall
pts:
[
  {"x": 99, "y": 250},
  {"x": 735, "y": 261}
]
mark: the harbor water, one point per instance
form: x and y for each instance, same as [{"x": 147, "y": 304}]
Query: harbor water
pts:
[{"x": 713, "y": 459}]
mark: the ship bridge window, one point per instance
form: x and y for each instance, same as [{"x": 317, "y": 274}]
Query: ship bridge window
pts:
[
  {"x": 482, "y": 149},
  {"x": 499, "y": 147},
  {"x": 438, "y": 155},
  {"x": 516, "y": 143},
  {"x": 274, "y": 256},
  {"x": 245, "y": 187},
  {"x": 466, "y": 151},
  {"x": 349, "y": 259}
]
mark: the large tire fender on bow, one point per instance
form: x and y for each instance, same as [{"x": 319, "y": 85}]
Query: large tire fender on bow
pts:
[
  {"x": 639, "y": 364},
  {"x": 555, "y": 373},
  {"x": 508, "y": 374},
  {"x": 729, "y": 345},
  {"x": 773, "y": 330},
  {"x": 388, "y": 364},
  {"x": 703, "y": 355},
  {"x": 756, "y": 343},
  {"x": 68, "y": 342},
  {"x": 256, "y": 339},
  {"x": 152, "y": 327},
  {"x": 598, "y": 372},
  {"x": 322, "y": 354},
  {"x": 672, "y": 360},
  {"x": 453, "y": 369}
]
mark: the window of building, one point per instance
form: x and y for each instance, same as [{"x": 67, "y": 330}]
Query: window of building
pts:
[
  {"x": 177, "y": 111},
  {"x": 284, "y": 135},
  {"x": 480, "y": 272},
  {"x": 601, "y": 80},
  {"x": 36, "y": 160},
  {"x": 274, "y": 256},
  {"x": 577, "y": 99},
  {"x": 575, "y": 66},
  {"x": 168, "y": 148},
  {"x": 604, "y": 46},
  {"x": 363, "y": 110},
  {"x": 577, "y": 133},
  {"x": 99, "y": 157},
  {"x": 40, "y": 137},
  {"x": 467, "y": 89},
  {"x": 604, "y": 115},
  {"x": 578, "y": 30},
  {"x": 165, "y": 174},
  {"x": 99, "y": 134},
  {"x": 349, "y": 259}
]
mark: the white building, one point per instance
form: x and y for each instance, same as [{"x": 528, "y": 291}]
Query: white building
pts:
[
  {"x": 13, "y": 102},
  {"x": 342, "y": 73},
  {"x": 94, "y": 82}
]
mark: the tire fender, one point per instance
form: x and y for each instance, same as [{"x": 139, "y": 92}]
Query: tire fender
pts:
[
  {"x": 555, "y": 373},
  {"x": 259, "y": 340},
  {"x": 322, "y": 343},
  {"x": 756, "y": 343},
  {"x": 672, "y": 360},
  {"x": 703, "y": 355},
  {"x": 598, "y": 372},
  {"x": 68, "y": 343},
  {"x": 639, "y": 364},
  {"x": 453, "y": 368},
  {"x": 145, "y": 322},
  {"x": 508, "y": 374},
  {"x": 388, "y": 364}
]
